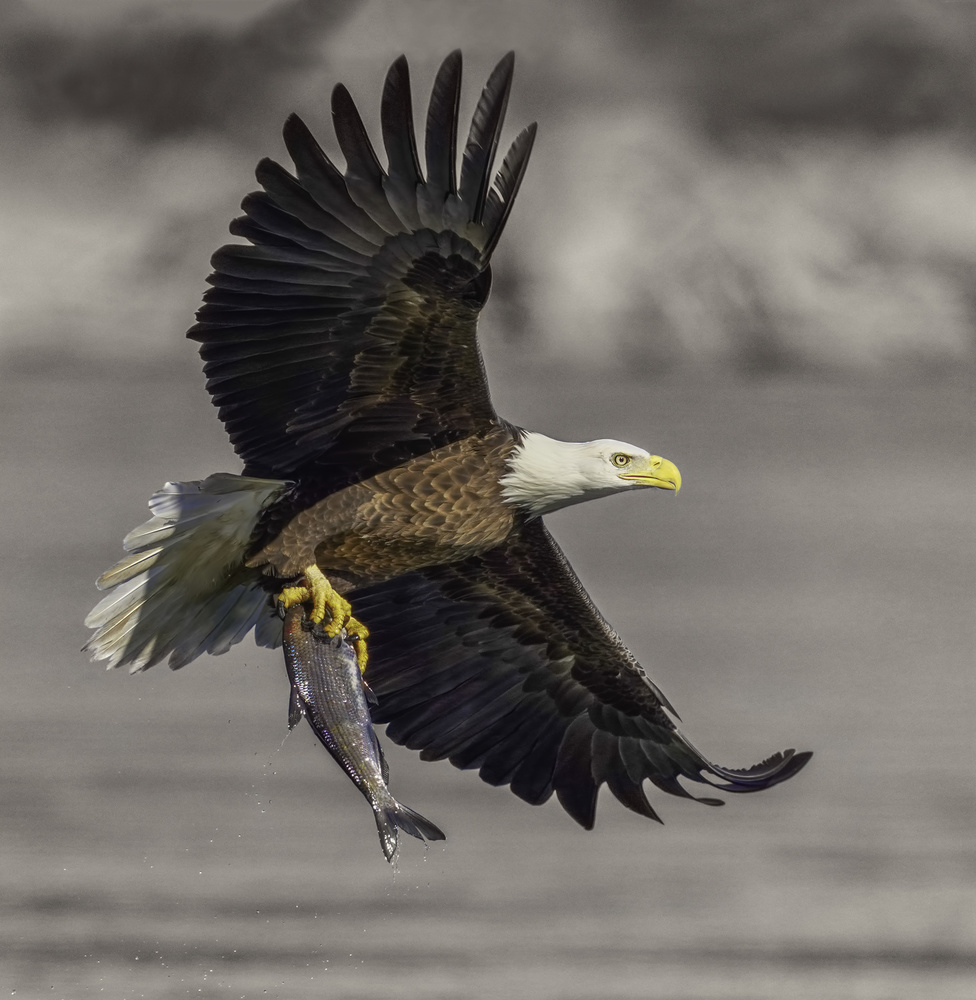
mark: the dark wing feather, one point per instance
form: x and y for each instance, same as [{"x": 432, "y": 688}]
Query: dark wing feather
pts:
[
  {"x": 401, "y": 145},
  {"x": 502, "y": 663},
  {"x": 364, "y": 175},
  {"x": 486, "y": 127},
  {"x": 342, "y": 341},
  {"x": 441, "y": 144}
]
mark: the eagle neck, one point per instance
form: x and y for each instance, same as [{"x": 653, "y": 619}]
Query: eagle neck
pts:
[{"x": 544, "y": 475}]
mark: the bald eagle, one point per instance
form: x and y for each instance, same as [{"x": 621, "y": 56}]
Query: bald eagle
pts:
[{"x": 380, "y": 487}]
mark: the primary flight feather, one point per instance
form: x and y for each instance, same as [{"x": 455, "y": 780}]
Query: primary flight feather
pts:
[{"x": 381, "y": 490}]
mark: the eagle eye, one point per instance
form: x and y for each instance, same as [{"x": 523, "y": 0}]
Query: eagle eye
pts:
[{"x": 619, "y": 459}]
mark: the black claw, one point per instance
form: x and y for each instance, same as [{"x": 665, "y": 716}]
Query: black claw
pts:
[
  {"x": 281, "y": 609},
  {"x": 318, "y": 630}
]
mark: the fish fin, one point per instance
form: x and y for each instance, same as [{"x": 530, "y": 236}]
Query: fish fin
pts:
[
  {"x": 410, "y": 821},
  {"x": 370, "y": 697},
  {"x": 384, "y": 766},
  {"x": 392, "y": 815},
  {"x": 296, "y": 708},
  {"x": 386, "y": 828}
]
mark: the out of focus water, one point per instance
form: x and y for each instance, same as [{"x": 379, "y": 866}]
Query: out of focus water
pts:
[{"x": 812, "y": 586}]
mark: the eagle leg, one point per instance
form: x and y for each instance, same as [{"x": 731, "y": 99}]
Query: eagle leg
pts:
[{"x": 325, "y": 598}]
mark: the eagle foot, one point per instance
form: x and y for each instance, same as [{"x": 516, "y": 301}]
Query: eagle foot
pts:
[{"x": 317, "y": 591}]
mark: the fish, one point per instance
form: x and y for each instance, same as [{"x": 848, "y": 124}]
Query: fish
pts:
[{"x": 327, "y": 688}]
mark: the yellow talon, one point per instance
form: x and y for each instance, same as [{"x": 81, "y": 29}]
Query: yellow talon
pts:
[
  {"x": 324, "y": 598},
  {"x": 291, "y": 596},
  {"x": 357, "y": 633},
  {"x": 317, "y": 591}
]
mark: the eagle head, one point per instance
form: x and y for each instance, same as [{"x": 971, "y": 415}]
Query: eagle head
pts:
[{"x": 545, "y": 474}]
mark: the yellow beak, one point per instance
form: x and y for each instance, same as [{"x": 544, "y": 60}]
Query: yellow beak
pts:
[{"x": 656, "y": 471}]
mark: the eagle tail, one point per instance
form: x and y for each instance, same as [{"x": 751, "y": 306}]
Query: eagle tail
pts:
[{"x": 183, "y": 589}]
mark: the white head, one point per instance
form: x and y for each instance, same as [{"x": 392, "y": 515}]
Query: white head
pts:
[{"x": 545, "y": 474}]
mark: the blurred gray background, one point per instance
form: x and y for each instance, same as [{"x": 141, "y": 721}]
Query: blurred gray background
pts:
[{"x": 746, "y": 240}]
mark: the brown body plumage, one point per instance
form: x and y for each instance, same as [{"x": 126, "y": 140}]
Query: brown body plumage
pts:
[{"x": 441, "y": 507}]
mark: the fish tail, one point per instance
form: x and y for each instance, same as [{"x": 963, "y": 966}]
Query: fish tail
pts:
[
  {"x": 392, "y": 815},
  {"x": 183, "y": 589}
]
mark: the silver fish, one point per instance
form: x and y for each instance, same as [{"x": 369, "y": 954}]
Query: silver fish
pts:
[{"x": 328, "y": 689}]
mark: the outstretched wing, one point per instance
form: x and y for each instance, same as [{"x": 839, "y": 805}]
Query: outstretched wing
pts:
[
  {"x": 503, "y": 663},
  {"x": 343, "y": 340}
]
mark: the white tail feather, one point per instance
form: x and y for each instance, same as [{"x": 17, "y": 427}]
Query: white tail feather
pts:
[{"x": 184, "y": 589}]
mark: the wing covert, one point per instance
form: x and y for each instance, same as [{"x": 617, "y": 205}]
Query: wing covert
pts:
[
  {"x": 342, "y": 340},
  {"x": 502, "y": 663}
]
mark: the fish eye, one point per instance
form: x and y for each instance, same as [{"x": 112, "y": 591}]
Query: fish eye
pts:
[{"x": 619, "y": 459}]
